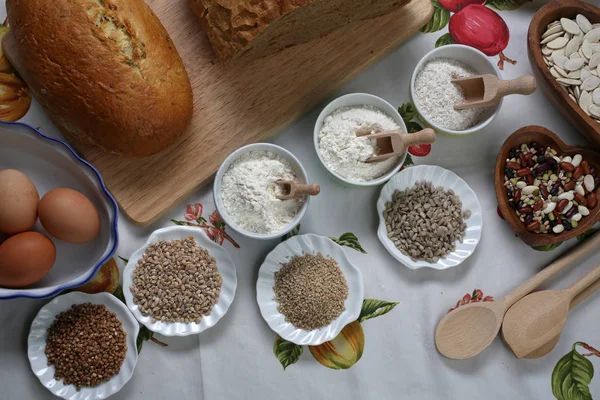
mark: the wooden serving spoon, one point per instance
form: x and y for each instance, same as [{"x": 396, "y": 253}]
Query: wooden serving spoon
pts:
[
  {"x": 550, "y": 344},
  {"x": 540, "y": 317},
  {"x": 293, "y": 190},
  {"x": 470, "y": 329},
  {"x": 487, "y": 90},
  {"x": 395, "y": 143}
]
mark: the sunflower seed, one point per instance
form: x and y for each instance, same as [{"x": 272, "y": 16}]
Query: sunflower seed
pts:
[
  {"x": 570, "y": 26},
  {"x": 584, "y": 24}
]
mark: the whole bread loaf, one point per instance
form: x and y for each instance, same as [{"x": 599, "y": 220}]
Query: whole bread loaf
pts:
[
  {"x": 106, "y": 71},
  {"x": 260, "y": 27}
]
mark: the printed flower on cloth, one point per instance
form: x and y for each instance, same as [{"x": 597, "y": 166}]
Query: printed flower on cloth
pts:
[
  {"x": 474, "y": 23},
  {"x": 214, "y": 227}
]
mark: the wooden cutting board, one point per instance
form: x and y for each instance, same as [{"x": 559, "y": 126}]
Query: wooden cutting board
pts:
[{"x": 241, "y": 103}]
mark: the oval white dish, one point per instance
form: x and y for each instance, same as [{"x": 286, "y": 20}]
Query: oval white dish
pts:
[
  {"x": 225, "y": 266},
  {"x": 36, "y": 346},
  {"x": 51, "y": 163},
  {"x": 439, "y": 177},
  {"x": 302, "y": 177},
  {"x": 299, "y": 245}
]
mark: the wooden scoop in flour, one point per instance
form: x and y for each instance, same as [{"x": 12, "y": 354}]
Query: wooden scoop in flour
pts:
[
  {"x": 395, "y": 143},
  {"x": 487, "y": 90},
  {"x": 539, "y": 318},
  {"x": 294, "y": 190}
]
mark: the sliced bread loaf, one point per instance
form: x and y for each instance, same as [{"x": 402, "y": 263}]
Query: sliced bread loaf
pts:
[{"x": 261, "y": 27}]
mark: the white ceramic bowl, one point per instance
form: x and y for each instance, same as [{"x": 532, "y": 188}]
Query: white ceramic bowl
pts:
[
  {"x": 301, "y": 174},
  {"x": 297, "y": 246},
  {"x": 50, "y": 164},
  {"x": 439, "y": 177},
  {"x": 358, "y": 99},
  {"x": 225, "y": 266},
  {"x": 474, "y": 59},
  {"x": 36, "y": 346}
]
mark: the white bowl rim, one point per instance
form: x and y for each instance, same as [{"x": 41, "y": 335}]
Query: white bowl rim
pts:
[
  {"x": 317, "y": 130},
  {"x": 407, "y": 261},
  {"x": 111, "y": 205},
  {"x": 219, "y": 202},
  {"x": 180, "y": 328},
  {"x": 331, "y": 331},
  {"x": 114, "y": 305},
  {"x": 431, "y": 55}
]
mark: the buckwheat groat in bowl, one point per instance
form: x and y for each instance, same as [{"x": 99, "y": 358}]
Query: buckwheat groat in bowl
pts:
[
  {"x": 180, "y": 282},
  {"x": 434, "y": 94}
]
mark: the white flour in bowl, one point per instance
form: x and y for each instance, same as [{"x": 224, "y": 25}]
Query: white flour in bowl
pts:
[
  {"x": 249, "y": 192},
  {"x": 344, "y": 152},
  {"x": 435, "y": 94}
]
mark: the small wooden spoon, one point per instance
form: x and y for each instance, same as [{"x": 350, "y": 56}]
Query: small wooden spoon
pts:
[
  {"x": 293, "y": 190},
  {"x": 547, "y": 347},
  {"x": 487, "y": 90},
  {"x": 540, "y": 317},
  {"x": 395, "y": 143},
  {"x": 470, "y": 329}
]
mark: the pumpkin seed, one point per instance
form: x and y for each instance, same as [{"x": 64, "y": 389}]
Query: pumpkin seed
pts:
[
  {"x": 585, "y": 73},
  {"x": 574, "y": 64},
  {"x": 577, "y": 92},
  {"x": 586, "y": 49},
  {"x": 562, "y": 72},
  {"x": 547, "y": 51},
  {"x": 572, "y": 97},
  {"x": 551, "y": 31},
  {"x": 596, "y": 96},
  {"x": 593, "y": 36},
  {"x": 594, "y": 110},
  {"x": 570, "y": 26},
  {"x": 550, "y": 38},
  {"x": 575, "y": 74},
  {"x": 585, "y": 101},
  {"x": 584, "y": 24},
  {"x": 558, "y": 42},
  {"x": 567, "y": 81},
  {"x": 590, "y": 83},
  {"x": 573, "y": 45},
  {"x": 559, "y": 60},
  {"x": 594, "y": 61},
  {"x": 554, "y": 73}
]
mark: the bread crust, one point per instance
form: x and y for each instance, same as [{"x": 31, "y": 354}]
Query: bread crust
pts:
[{"x": 106, "y": 71}]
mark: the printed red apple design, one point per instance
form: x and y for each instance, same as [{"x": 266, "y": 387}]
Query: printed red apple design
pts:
[{"x": 473, "y": 23}]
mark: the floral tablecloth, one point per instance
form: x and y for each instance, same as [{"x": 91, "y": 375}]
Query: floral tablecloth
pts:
[{"x": 389, "y": 352}]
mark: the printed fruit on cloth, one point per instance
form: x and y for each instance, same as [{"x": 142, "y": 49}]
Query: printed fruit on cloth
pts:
[
  {"x": 344, "y": 351},
  {"x": 457, "y": 5},
  {"x": 106, "y": 280},
  {"x": 15, "y": 98}
]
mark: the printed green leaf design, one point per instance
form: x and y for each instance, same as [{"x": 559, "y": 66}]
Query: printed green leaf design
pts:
[
  {"x": 124, "y": 260},
  {"x": 372, "y": 308},
  {"x": 413, "y": 127},
  {"x": 119, "y": 293},
  {"x": 571, "y": 376},
  {"x": 408, "y": 161},
  {"x": 548, "y": 247},
  {"x": 506, "y": 5},
  {"x": 438, "y": 20},
  {"x": 286, "y": 352},
  {"x": 585, "y": 235},
  {"x": 407, "y": 111},
  {"x": 444, "y": 40},
  {"x": 349, "y": 239},
  {"x": 144, "y": 335},
  {"x": 291, "y": 233},
  {"x": 180, "y": 223}
]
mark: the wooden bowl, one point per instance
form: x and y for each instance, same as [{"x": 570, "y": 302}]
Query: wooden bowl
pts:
[
  {"x": 544, "y": 137},
  {"x": 554, "y": 11}
]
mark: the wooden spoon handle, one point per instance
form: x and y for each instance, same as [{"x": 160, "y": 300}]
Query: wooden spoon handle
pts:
[
  {"x": 581, "y": 297},
  {"x": 523, "y": 85},
  {"x": 580, "y": 285},
  {"x": 552, "y": 269},
  {"x": 426, "y": 136},
  {"x": 311, "y": 190}
]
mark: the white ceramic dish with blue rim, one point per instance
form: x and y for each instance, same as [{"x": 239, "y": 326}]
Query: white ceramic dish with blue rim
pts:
[
  {"x": 439, "y": 177},
  {"x": 474, "y": 59},
  {"x": 36, "y": 346},
  {"x": 225, "y": 266},
  {"x": 51, "y": 163},
  {"x": 301, "y": 176},
  {"x": 358, "y": 99},
  {"x": 265, "y": 294}
]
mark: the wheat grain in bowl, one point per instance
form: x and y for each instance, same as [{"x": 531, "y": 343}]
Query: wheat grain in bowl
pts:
[{"x": 176, "y": 281}]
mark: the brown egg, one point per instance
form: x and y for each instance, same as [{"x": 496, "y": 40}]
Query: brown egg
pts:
[
  {"x": 19, "y": 199},
  {"x": 25, "y": 259},
  {"x": 69, "y": 216}
]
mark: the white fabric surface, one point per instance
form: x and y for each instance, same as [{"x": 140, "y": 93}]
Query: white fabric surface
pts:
[{"x": 234, "y": 360}]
